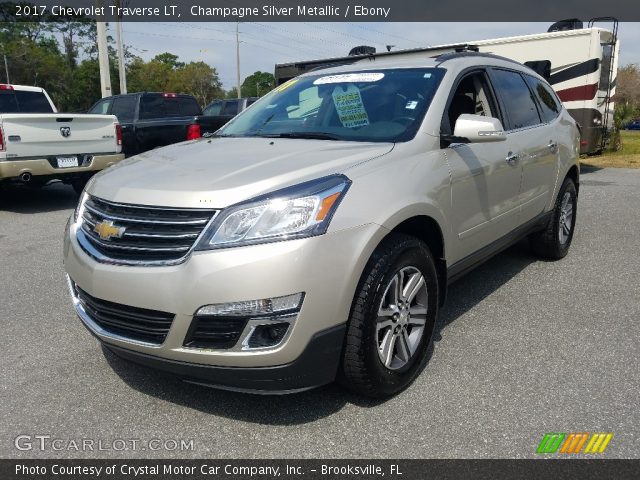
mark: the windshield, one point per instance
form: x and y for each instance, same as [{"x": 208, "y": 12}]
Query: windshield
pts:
[{"x": 370, "y": 106}]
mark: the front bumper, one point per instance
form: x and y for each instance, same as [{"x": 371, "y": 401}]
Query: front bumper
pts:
[
  {"x": 316, "y": 366},
  {"x": 43, "y": 167},
  {"x": 326, "y": 268}
]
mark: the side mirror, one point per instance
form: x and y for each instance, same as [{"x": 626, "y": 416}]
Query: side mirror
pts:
[{"x": 478, "y": 129}]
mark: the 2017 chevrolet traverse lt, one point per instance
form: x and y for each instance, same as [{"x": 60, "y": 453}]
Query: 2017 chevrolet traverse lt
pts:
[{"x": 314, "y": 236}]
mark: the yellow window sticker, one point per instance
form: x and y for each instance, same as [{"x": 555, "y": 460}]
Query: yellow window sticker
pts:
[
  {"x": 349, "y": 106},
  {"x": 286, "y": 85}
]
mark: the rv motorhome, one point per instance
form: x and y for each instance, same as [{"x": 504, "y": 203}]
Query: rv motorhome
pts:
[{"x": 579, "y": 63}]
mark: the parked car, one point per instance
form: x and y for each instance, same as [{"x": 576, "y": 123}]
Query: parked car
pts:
[
  {"x": 633, "y": 125},
  {"x": 220, "y": 112},
  {"x": 152, "y": 119},
  {"x": 315, "y": 236},
  {"x": 38, "y": 144}
]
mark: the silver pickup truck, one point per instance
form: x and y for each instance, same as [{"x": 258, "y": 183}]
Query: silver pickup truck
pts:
[
  {"x": 315, "y": 236},
  {"x": 37, "y": 144}
]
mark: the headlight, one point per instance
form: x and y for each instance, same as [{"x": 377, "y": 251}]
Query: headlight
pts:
[
  {"x": 79, "y": 211},
  {"x": 303, "y": 210}
]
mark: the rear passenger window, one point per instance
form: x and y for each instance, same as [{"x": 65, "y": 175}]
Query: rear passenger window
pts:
[
  {"x": 549, "y": 104},
  {"x": 520, "y": 108},
  {"x": 124, "y": 108},
  {"x": 231, "y": 107},
  {"x": 189, "y": 106}
]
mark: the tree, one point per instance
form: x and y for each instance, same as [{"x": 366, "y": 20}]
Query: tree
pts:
[
  {"x": 628, "y": 85},
  {"x": 199, "y": 80},
  {"x": 627, "y": 101},
  {"x": 257, "y": 84},
  {"x": 168, "y": 59},
  {"x": 73, "y": 30}
]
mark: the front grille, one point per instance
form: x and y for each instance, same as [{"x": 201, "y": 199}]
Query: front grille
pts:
[
  {"x": 144, "y": 234},
  {"x": 212, "y": 331},
  {"x": 150, "y": 326}
]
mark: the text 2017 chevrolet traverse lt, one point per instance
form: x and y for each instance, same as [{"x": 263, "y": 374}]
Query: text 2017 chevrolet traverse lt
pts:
[{"x": 314, "y": 237}]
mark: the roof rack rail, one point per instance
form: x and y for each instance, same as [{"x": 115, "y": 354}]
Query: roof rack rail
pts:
[{"x": 453, "y": 55}]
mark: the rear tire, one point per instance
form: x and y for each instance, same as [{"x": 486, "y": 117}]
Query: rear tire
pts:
[
  {"x": 392, "y": 319},
  {"x": 554, "y": 241}
]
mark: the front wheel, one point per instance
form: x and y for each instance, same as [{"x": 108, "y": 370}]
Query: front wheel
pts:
[
  {"x": 554, "y": 241},
  {"x": 392, "y": 319}
]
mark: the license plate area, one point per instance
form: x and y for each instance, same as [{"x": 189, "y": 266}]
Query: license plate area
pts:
[{"x": 67, "y": 161}]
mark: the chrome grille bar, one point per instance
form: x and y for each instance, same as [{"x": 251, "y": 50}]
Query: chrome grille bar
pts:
[{"x": 119, "y": 233}]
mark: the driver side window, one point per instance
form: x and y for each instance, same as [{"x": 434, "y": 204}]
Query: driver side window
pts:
[{"x": 472, "y": 96}]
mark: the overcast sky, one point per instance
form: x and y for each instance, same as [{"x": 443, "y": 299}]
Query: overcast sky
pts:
[{"x": 265, "y": 44}]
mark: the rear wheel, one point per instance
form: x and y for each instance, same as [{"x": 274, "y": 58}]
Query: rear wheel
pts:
[
  {"x": 392, "y": 319},
  {"x": 554, "y": 241}
]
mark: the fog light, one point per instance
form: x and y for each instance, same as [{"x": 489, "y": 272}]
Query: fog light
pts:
[
  {"x": 249, "y": 308},
  {"x": 267, "y": 335}
]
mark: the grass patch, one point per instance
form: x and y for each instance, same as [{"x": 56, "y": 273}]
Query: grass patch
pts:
[{"x": 627, "y": 157}]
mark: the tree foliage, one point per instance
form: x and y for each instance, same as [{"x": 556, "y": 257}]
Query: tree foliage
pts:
[
  {"x": 60, "y": 55},
  {"x": 627, "y": 98},
  {"x": 257, "y": 84}
]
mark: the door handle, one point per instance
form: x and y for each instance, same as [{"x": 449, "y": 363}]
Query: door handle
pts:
[
  {"x": 512, "y": 158},
  {"x": 552, "y": 145}
]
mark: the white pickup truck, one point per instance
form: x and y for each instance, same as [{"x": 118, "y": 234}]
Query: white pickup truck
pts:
[{"x": 38, "y": 144}]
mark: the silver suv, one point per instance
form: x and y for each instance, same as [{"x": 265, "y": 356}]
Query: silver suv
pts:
[{"x": 314, "y": 236}]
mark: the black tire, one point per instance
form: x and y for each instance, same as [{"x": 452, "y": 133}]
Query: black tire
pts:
[
  {"x": 547, "y": 244},
  {"x": 79, "y": 184},
  {"x": 362, "y": 370}
]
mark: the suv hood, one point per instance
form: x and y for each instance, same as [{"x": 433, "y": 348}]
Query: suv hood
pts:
[{"x": 218, "y": 172}]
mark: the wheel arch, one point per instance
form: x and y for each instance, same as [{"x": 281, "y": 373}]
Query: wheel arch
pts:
[
  {"x": 574, "y": 174},
  {"x": 428, "y": 229}
]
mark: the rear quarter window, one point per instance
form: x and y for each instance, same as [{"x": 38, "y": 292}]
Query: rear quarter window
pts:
[{"x": 549, "y": 104}]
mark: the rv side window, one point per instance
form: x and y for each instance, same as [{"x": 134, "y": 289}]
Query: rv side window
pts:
[
  {"x": 518, "y": 101},
  {"x": 549, "y": 105}
]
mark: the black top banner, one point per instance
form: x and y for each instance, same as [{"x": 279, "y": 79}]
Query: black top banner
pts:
[{"x": 320, "y": 10}]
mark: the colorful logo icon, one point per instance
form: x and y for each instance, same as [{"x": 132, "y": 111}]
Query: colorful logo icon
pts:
[{"x": 573, "y": 443}]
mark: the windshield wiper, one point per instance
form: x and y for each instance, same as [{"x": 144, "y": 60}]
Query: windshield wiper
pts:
[{"x": 309, "y": 135}]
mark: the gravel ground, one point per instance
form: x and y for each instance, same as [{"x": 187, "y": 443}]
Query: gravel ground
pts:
[{"x": 524, "y": 348}]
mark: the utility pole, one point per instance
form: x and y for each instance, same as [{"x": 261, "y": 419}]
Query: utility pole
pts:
[
  {"x": 6, "y": 67},
  {"x": 238, "y": 57},
  {"x": 119, "y": 42},
  {"x": 103, "y": 54}
]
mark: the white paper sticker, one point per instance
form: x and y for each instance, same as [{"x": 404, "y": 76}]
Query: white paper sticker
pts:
[
  {"x": 350, "y": 77},
  {"x": 349, "y": 106},
  {"x": 411, "y": 105}
]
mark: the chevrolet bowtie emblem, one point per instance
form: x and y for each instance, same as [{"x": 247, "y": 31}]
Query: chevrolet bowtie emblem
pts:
[{"x": 107, "y": 230}]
